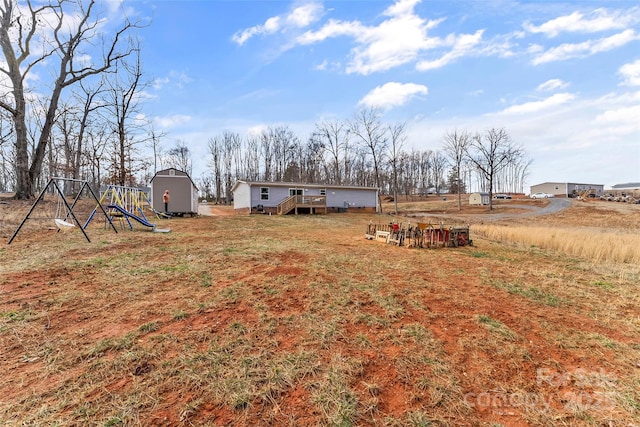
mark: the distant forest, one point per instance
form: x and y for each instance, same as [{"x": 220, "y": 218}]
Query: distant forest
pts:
[{"x": 87, "y": 122}]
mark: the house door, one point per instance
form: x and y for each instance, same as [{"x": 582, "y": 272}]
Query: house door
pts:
[{"x": 295, "y": 192}]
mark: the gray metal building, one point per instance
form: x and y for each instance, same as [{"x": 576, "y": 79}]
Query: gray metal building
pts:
[{"x": 567, "y": 189}]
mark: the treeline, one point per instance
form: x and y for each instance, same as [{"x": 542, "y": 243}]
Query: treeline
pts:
[
  {"x": 365, "y": 151},
  {"x": 87, "y": 123}
]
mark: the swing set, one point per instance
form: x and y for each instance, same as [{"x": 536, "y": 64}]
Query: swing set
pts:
[
  {"x": 126, "y": 204},
  {"x": 65, "y": 217}
]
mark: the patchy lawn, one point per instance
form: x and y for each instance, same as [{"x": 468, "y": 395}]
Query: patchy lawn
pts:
[{"x": 300, "y": 321}]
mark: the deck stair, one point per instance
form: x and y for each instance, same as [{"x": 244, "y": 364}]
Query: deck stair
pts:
[
  {"x": 315, "y": 204},
  {"x": 287, "y": 205}
]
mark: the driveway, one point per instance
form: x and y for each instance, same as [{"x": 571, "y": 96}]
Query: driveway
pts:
[{"x": 555, "y": 205}]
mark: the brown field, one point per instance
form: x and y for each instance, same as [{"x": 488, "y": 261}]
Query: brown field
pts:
[{"x": 299, "y": 321}]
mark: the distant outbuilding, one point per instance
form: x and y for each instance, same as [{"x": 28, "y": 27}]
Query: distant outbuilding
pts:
[
  {"x": 478, "y": 199},
  {"x": 567, "y": 189},
  {"x": 183, "y": 192},
  {"x": 627, "y": 189}
]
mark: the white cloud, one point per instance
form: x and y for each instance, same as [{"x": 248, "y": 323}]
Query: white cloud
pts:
[
  {"x": 305, "y": 15},
  {"x": 566, "y": 144},
  {"x": 395, "y": 41},
  {"x": 628, "y": 114},
  {"x": 257, "y": 130},
  {"x": 598, "y": 20},
  {"x": 175, "y": 79},
  {"x": 299, "y": 17},
  {"x": 270, "y": 26},
  {"x": 462, "y": 45},
  {"x": 172, "y": 121},
  {"x": 631, "y": 73},
  {"x": 321, "y": 66},
  {"x": 536, "y": 106},
  {"x": 587, "y": 48},
  {"x": 392, "y": 94},
  {"x": 332, "y": 28},
  {"x": 551, "y": 85},
  {"x": 160, "y": 82}
]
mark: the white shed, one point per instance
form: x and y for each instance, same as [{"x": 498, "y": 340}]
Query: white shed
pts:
[{"x": 479, "y": 199}]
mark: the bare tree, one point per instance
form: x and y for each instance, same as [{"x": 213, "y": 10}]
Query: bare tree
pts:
[
  {"x": 438, "y": 164},
  {"x": 122, "y": 102},
  {"x": 61, "y": 41},
  {"x": 215, "y": 149},
  {"x": 251, "y": 163},
  {"x": 97, "y": 141},
  {"x": 179, "y": 157},
  {"x": 425, "y": 165},
  {"x": 231, "y": 144},
  {"x": 333, "y": 136},
  {"x": 397, "y": 134},
  {"x": 6, "y": 167},
  {"x": 312, "y": 160},
  {"x": 205, "y": 184},
  {"x": 456, "y": 144},
  {"x": 154, "y": 141},
  {"x": 266, "y": 152},
  {"x": 368, "y": 128},
  {"x": 491, "y": 153}
]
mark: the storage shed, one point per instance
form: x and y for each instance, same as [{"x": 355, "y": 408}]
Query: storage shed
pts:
[
  {"x": 183, "y": 192},
  {"x": 479, "y": 199},
  {"x": 285, "y": 197}
]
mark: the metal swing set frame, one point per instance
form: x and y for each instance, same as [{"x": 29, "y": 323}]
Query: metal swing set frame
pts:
[{"x": 53, "y": 183}]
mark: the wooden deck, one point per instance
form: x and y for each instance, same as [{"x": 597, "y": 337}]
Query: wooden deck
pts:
[{"x": 299, "y": 203}]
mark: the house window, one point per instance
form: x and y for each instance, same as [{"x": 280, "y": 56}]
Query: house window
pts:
[
  {"x": 295, "y": 192},
  {"x": 323, "y": 191},
  {"x": 264, "y": 193}
]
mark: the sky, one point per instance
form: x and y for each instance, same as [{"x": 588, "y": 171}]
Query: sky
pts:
[{"x": 562, "y": 78}]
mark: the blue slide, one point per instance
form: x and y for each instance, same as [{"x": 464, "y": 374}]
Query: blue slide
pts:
[{"x": 128, "y": 214}]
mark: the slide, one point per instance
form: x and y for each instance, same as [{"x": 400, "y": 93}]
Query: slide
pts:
[{"x": 128, "y": 214}]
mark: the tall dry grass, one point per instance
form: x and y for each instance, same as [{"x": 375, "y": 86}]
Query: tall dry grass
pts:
[{"x": 594, "y": 244}]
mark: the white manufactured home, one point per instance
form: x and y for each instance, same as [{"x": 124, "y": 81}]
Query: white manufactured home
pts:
[
  {"x": 183, "y": 192},
  {"x": 282, "y": 198}
]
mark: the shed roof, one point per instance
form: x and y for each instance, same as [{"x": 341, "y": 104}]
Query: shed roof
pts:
[
  {"x": 177, "y": 170},
  {"x": 566, "y": 183},
  {"x": 626, "y": 185}
]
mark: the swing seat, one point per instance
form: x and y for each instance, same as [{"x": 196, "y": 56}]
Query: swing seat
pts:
[{"x": 63, "y": 225}]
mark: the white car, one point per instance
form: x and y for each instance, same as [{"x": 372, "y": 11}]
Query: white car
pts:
[{"x": 541, "y": 196}]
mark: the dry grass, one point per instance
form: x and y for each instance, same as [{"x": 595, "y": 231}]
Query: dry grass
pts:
[
  {"x": 598, "y": 245},
  {"x": 296, "y": 321}
]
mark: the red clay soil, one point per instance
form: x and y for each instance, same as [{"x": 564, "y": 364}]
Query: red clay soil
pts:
[{"x": 453, "y": 296}]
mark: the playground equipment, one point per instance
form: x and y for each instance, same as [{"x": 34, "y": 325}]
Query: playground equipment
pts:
[
  {"x": 126, "y": 204},
  {"x": 420, "y": 235},
  {"x": 65, "y": 217}
]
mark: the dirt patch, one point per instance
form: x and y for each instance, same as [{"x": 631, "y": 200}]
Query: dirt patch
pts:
[
  {"x": 298, "y": 320},
  {"x": 217, "y": 210}
]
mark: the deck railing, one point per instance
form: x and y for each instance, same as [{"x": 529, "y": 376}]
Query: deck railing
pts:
[
  {"x": 301, "y": 201},
  {"x": 287, "y": 205}
]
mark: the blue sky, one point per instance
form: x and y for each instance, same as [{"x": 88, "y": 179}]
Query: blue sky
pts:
[{"x": 563, "y": 78}]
